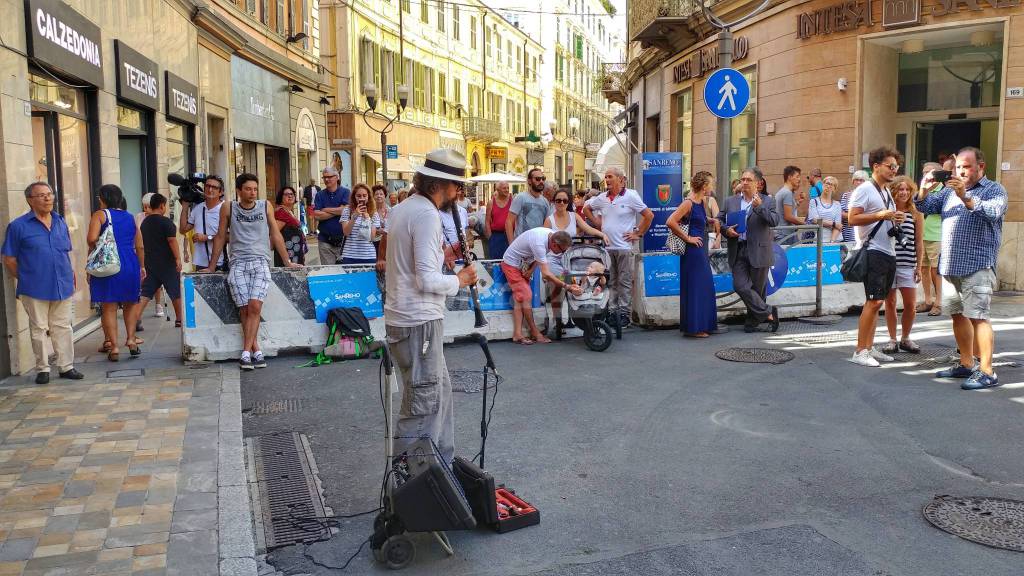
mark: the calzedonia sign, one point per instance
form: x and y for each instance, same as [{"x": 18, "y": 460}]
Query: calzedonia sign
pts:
[
  {"x": 65, "y": 40},
  {"x": 706, "y": 60},
  {"x": 182, "y": 99},
  {"x": 138, "y": 79}
]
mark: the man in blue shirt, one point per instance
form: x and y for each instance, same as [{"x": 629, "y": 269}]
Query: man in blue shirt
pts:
[
  {"x": 816, "y": 186},
  {"x": 327, "y": 208},
  {"x": 972, "y": 209},
  {"x": 37, "y": 252}
]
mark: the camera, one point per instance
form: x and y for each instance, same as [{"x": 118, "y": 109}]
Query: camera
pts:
[
  {"x": 190, "y": 189},
  {"x": 897, "y": 234},
  {"x": 941, "y": 176}
]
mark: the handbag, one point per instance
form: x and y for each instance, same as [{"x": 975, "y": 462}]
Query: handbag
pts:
[
  {"x": 677, "y": 245},
  {"x": 855, "y": 267},
  {"x": 104, "y": 260}
]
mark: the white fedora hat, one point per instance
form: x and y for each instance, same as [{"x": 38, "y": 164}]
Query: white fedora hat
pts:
[{"x": 446, "y": 164}]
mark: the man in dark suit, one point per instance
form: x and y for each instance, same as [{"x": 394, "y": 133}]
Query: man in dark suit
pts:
[{"x": 751, "y": 253}]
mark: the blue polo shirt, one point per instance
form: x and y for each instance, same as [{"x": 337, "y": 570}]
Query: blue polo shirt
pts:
[
  {"x": 326, "y": 199},
  {"x": 44, "y": 257},
  {"x": 815, "y": 190}
]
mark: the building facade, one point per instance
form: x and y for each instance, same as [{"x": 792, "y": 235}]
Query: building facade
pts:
[
  {"x": 578, "y": 38},
  {"x": 831, "y": 80},
  {"x": 129, "y": 91},
  {"x": 471, "y": 78}
]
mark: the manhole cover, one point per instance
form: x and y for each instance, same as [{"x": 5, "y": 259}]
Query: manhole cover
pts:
[
  {"x": 275, "y": 407},
  {"x": 471, "y": 381},
  {"x": 756, "y": 355},
  {"x": 821, "y": 320},
  {"x": 994, "y": 522},
  {"x": 289, "y": 500}
]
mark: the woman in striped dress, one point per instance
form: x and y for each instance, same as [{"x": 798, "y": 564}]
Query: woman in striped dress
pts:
[{"x": 908, "y": 266}]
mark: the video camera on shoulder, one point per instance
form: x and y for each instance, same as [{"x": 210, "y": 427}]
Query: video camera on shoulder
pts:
[{"x": 190, "y": 189}]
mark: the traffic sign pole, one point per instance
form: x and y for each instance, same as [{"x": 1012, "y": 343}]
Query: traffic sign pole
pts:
[{"x": 724, "y": 124}]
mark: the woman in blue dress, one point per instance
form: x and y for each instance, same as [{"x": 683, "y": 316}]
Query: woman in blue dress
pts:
[
  {"x": 121, "y": 288},
  {"x": 698, "y": 313}
]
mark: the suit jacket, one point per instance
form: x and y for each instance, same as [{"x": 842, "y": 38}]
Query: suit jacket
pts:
[{"x": 760, "y": 236}]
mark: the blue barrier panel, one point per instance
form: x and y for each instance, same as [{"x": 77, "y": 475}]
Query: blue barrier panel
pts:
[{"x": 354, "y": 289}]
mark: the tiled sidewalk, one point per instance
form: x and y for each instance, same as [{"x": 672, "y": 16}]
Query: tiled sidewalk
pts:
[{"x": 120, "y": 475}]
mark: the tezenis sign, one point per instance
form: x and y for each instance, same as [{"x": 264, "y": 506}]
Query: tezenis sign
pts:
[{"x": 841, "y": 17}]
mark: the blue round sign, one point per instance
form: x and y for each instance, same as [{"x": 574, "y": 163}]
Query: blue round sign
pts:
[
  {"x": 777, "y": 273},
  {"x": 726, "y": 93}
]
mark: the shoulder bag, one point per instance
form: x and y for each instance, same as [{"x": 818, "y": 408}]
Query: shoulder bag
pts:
[
  {"x": 855, "y": 267},
  {"x": 677, "y": 245},
  {"x": 104, "y": 260}
]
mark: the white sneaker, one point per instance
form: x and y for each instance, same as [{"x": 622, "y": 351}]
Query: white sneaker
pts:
[
  {"x": 159, "y": 310},
  {"x": 864, "y": 359},
  {"x": 880, "y": 356}
]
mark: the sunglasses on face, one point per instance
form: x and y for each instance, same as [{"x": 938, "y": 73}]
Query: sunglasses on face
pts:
[
  {"x": 561, "y": 201},
  {"x": 213, "y": 186}
]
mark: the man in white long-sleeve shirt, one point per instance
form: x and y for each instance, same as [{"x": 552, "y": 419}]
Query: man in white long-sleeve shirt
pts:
[{"x": 416, "y": 289}]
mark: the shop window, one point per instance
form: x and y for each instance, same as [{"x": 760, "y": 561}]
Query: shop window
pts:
[
  {"x": 684, "y": 130},
  {"x": 950, "y": 78},
  {"x": 743, "y": 147},
  {"x": 179, "y": 148}
]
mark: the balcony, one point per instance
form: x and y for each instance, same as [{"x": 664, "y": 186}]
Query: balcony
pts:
[
  {"x": 611, "y": 82},
  {"x": 477, "y": 128},
  {"x": 662, "y": 23}
]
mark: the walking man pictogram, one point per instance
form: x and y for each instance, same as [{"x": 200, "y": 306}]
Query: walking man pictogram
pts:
[{"x": 728, "y": 90}]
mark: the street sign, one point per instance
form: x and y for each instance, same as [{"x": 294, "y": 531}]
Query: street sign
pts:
[
  {"x": 726, "y": 93},
  {"x": 392, "y": 152}
]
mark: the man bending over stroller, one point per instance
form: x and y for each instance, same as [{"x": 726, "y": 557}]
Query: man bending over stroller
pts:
[{"x": 528, "y": 250}]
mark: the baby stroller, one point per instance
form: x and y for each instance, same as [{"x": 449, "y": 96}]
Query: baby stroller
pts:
[{"x": 589, "y": 311}]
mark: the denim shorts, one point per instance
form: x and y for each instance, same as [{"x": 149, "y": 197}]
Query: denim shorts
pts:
[{"x": 970, "y": 295}]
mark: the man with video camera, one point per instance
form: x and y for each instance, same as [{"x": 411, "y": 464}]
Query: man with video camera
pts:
[
  {"x": 972, "y": 209},
  {"x": 204, "y": 219}
]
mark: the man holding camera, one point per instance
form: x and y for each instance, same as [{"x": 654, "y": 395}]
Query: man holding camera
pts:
[
  {"x": 972, "y": 209},
  {"x": 876, "y": 221},
  {"x": 204, "y": 220},
  {"x": 327, "y": 208}
]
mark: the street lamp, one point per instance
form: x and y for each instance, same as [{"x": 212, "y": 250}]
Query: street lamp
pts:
[{"x": 370, "y": 91}]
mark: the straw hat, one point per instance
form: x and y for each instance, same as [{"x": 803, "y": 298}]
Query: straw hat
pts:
[{"x": 445, "y": 164}]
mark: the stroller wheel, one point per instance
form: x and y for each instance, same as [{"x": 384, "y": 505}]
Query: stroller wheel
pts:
[
  {"x": 599, "y": 337},
  {"x": 398, "y": 552}
]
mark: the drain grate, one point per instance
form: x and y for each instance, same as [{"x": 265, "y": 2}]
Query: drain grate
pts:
[
  {"x": 828, "y": 320},
  {"x": 275, "y": 407},
  {"x": 129, "y": 373},
  {"x": 471, "y": 381},
  {"x": 287, "y": 487},
  {"x": 994, "y": 522},
  {"x": 755, "y": 355}
]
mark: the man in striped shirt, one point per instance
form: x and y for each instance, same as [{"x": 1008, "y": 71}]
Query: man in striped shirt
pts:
[{"x": 972, "y": 209}]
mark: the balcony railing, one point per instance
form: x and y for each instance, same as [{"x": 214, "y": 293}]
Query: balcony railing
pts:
[
  {"x": 481, "y": 128},
  {"x": 611, "y": 82},
  {"x": 648, "y": 18}
]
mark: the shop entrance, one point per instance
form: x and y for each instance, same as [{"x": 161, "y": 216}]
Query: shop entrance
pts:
[
  {"x": 938, "y": 140},
  {"x": 132, "y": 160},
  {"x": 947, "y": 92}
]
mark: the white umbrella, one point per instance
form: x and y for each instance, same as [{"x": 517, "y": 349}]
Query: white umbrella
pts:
[
  {"x": 611, "y": 154},
  {"x": 499, "y": 177}
]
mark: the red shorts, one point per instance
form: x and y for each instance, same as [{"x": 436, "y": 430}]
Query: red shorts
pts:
[{"x": 520, "y": 285}]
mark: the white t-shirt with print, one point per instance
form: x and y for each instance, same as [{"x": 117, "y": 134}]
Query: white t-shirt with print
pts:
[
  {"x": 866, "y": 196},
  {"x": 618, "y": 216},
  {"x": 203, "y": 250}
]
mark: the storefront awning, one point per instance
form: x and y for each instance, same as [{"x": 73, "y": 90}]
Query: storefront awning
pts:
[
  {"x": 400, "y": 165},
  {"x": 611, "y": 154}
]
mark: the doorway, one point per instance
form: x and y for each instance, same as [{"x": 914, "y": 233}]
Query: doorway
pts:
[
  {"x": 132, "y": 160},
  {"x": 937, "y": 140}
]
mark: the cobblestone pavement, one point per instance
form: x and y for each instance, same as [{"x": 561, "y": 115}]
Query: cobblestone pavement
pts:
[{"x": 140, "y": 474}]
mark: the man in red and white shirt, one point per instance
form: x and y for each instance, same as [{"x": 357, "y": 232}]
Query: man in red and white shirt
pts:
[{"x": 615, "y": 213}]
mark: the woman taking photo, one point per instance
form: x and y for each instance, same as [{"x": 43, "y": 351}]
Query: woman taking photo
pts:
[
  {"x": 291, "y": 229},
  {"x": 359, "y": 222},
  {"x": 909, "y": 254},
  {"x": 827, "y": 211},
  {"x": 698, "y": 313},
  {"x": 122, "y": 288}
]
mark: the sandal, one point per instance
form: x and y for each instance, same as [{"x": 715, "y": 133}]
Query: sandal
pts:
[
  {"x": 107, "y": 345},
  {"x": 891, "y": 348},
  {"x": 112, "y": 355},
  {"x": 177, "y": 323},
  {"x": 935, "y": 311},
  {"x": 523, "y": 341},
  {"x": 133, "y": 349},
  {"x": 909, "y": 346},
  {"x": 923, "y": 307},
  {"x": 696, "y": 334}
]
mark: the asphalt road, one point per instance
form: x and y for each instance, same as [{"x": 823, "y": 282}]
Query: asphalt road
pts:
[{"x": 656, "y": 457}]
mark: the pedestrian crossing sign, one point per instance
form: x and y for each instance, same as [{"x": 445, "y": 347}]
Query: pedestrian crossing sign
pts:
[{"x": 726, "y": 93}]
